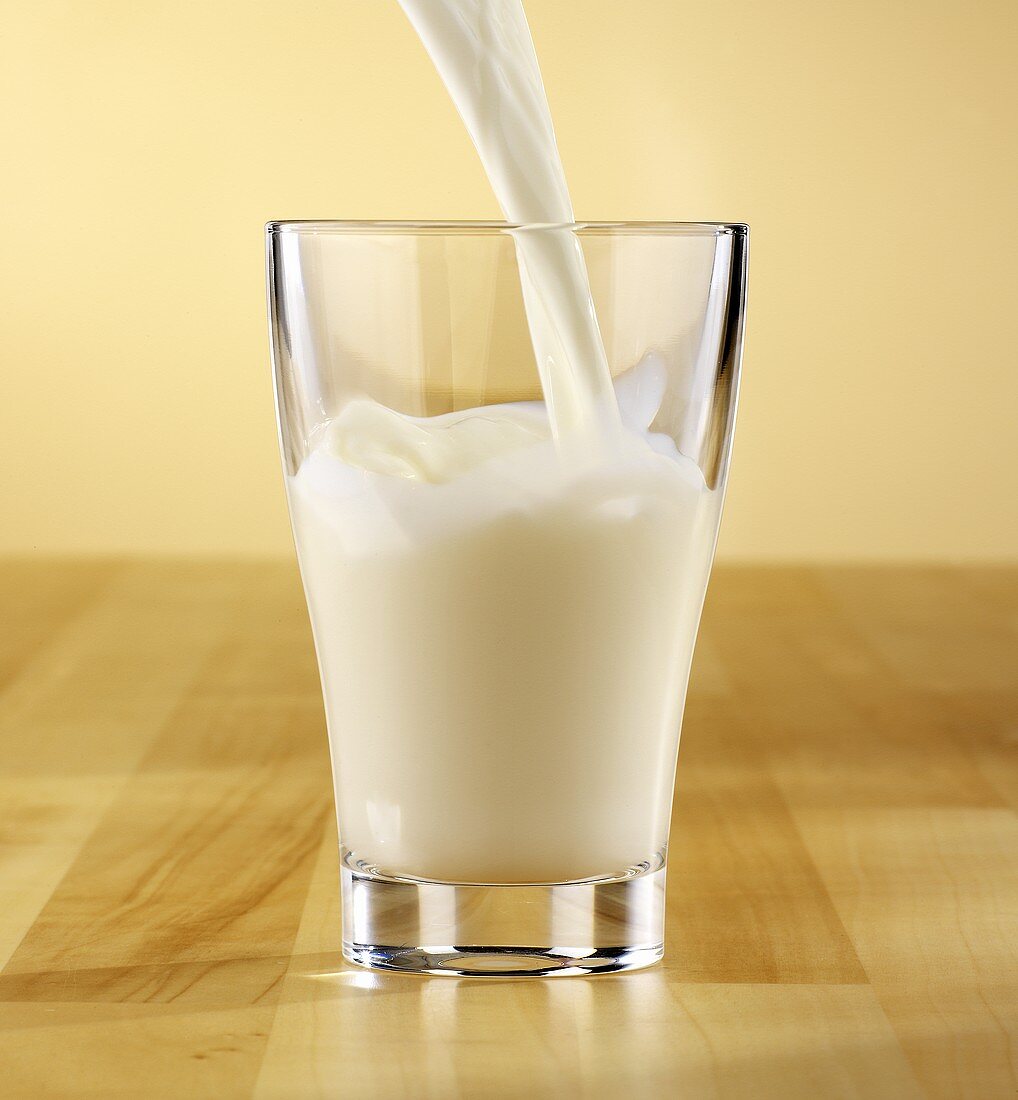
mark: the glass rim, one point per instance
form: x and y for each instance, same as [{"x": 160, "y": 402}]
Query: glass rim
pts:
[{"x": 691, "y": 229}]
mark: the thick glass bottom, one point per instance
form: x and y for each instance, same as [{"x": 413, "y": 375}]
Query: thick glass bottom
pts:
[{"x": 595, "y": 926}]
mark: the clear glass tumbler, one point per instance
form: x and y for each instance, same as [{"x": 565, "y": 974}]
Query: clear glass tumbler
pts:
[{"x": 504, "y": 627}]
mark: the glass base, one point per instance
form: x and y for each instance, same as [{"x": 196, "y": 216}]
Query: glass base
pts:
[{"x": 594, "y": 926}]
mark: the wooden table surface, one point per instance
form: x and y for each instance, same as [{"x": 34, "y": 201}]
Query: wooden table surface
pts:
[{"x": 843, "y": 897}]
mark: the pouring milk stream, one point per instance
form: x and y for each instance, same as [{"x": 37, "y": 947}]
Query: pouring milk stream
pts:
[
  {"x": 504, "y": 599},
  {"x": 485, "y": 56}
]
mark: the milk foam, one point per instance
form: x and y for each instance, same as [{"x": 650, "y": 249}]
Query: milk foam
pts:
[{"x": 381, "y": 481}]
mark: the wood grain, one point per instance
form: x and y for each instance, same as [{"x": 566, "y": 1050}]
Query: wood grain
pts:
[{"x": 843, "y": 897}]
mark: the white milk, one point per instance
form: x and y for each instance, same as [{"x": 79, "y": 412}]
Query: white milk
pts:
[
  {"x": 504, "y": 644},
  {"x": 504, "y": 599}
]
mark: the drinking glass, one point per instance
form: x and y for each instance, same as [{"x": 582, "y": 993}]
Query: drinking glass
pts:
[{"x": 504, "y": 669}]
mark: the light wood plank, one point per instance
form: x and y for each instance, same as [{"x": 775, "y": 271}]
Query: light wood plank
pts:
[
  {"x": 37, "y": 598},
  {"x": 987, "y": 723},
  {"x": 215, "y": 834},
  {"x": 930, "y": 899},
  {"x": 52, "y": 1051},
  {"x": 187, "y": 866},
  {"x": 646, "y": 1034},
  {"x": 88, "y": 700},
  {"x": 44, "y": 824},
  {"x": 842, "y": 879},
  {"x": 931, "y": 629},
  {"x": 636, "y": 1035},
  {"x": 745, "y": 902},
  {"x": 94, "y": 696},
  {"x": 831, "y": 715}
]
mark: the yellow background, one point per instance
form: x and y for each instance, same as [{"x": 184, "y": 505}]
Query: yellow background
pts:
[{"x": 870, "y": 145}]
